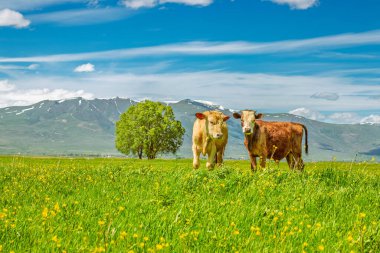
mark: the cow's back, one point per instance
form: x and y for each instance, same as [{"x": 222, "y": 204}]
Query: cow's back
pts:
[{"x": 276, "y": 139}]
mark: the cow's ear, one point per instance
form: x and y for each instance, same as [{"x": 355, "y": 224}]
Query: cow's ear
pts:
[
  {"x": 237, "y": 115},
  {"x": 200, "y": 115},
  {"x": 225, "y": 118},
  {"x": 258, "y": 116}
]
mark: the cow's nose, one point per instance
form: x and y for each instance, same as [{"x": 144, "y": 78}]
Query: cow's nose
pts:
[{"x": 246, "y": 129}]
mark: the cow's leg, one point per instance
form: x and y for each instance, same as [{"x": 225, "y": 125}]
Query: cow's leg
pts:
[
  {"x": 263, "y": 161},
  {"x": 211, "y": 158},
  {"x": 301, "y": 165},
  {"x": 290, "y": 160},
  {"x": 219, "y": 157},
  {"x": 196, "y": 153},
  {"x": 253, "y": 162},
  {"x": 299, "y": 162}
]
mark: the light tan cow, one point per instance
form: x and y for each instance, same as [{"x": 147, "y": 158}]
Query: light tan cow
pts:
[{"x": 210, "y": 136}]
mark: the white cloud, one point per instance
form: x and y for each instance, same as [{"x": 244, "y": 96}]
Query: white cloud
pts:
[
  {"x": 338, "y": 117},
  {"x": 88, "y": 67},
  {"x": 344, "y": 118},
  {"x": 307, "y": 113},
  {"x": 267, "y": 92},
  {"x": 5, "y": 86},
  {"x": 188, "y": 2},
  {"x": 372, "y": 119},
  {"x": 12, "y": 96},
  {"x": 137, "y": 4},
  {"x": 13, "y": 18},
  {"x": 332, "y": 96},
  {"x": 35, "y": 4},
  {"x": 216, "y": 48},
  {"x": 33, "y": 66},
  {"x": 297, "y": 4},
  {"x": 81, "y": 16}
]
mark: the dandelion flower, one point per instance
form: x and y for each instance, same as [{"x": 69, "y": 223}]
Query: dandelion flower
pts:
[
  {"x": 321, "y": 248},
  {"x": 54, "y": 239},
  {"x": 56, "y": 207},
  {"x": 45, "y": 212}
]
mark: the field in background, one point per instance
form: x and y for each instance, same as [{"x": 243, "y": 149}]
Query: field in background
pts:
[{"x": 117, "y": 205}]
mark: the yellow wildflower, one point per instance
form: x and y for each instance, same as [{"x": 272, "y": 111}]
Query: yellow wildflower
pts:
[
  {"x": 56, "y": 207},
  {"x": 159, "y": 247},
  {"x": 45, "y": 212},
  {"x": 362, "y": 215},
  {"x": 101, "y": 222},
  {"x": 135, "y": 235},
  {"x": 54, "y": 239},
  {"x": 321, "y": 247},
  {"x": 123, "y": 234},
  {"x": 236, "y": 232}
]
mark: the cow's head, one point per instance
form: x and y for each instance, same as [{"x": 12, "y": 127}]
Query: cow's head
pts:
[
  {"x": 248, "y": 118},
  {"x": 214, "y": 122}
]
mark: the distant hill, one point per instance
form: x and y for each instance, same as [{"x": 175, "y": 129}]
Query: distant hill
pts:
[{"x": 86, "y": 127}]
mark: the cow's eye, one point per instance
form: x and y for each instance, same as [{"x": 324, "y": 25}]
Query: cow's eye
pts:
[{"x": 212, "y": 122}]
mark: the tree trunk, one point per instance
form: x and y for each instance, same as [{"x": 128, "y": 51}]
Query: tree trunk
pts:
[{"x": 140, "y": 153}]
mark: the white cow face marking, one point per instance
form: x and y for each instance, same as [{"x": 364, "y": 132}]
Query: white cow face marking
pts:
[{"x": 248, "y": 118}]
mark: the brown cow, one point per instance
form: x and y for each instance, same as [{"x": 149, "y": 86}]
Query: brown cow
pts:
[
  {"x": 272, "y": 140},
  {"x": 210, "y": 136}
]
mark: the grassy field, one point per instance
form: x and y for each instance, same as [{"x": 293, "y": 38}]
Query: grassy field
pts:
[{"x": 116, "y": 205}]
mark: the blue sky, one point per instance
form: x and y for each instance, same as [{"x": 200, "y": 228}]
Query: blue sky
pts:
[{"x": 318, "y": 59}]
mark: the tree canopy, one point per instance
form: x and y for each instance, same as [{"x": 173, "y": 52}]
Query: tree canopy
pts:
[{"x": 148, "y": 129}]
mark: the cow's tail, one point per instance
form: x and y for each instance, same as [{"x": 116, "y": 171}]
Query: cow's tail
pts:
[{"x": 306, "y": 142}]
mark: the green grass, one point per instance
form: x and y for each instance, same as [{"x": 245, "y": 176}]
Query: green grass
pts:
[{"x": 116, "y": 205}]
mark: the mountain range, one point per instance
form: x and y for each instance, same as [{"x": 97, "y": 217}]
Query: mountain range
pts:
[{"x": 80, "y": 127}]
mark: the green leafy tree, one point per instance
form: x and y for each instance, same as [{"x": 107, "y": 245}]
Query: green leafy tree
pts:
[{"x": 148, "y": 129}]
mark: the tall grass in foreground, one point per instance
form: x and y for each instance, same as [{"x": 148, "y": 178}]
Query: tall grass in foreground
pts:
[{"x": 115, "y": 205}]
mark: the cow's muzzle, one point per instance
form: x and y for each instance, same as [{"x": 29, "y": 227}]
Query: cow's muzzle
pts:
[
  {"x": 247, "y": 130},
  {"x": 218, "y": 136}
]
